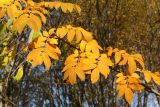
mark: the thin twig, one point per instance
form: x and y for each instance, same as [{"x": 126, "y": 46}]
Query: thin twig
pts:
[{"x": 149, "y": 89}]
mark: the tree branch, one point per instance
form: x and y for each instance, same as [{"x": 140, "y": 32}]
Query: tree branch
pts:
[{"x": 149, "y": 89}]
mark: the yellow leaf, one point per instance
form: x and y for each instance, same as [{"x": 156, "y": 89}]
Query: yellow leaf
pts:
[
  {"x": 47, "y": 61},
  {"x": 119, "y": 75},
  {"x": 64, "y": 7},
  {"x": 156, "y": 78},
  {"x": 89, "y": 66},
  {"x": 68, "y": 66},
  {"x": 5, "y": 2},
  {"x": 117, "y": 57},
  {"x": 131, "y": 65},
  {"x": 147, "y": 76},
  {"x": 45, "y": 33},
  {"x": 71, "y": 58},
  {"x": 34, "y": 23},
  {"x": 2, "y": 12},
  {"x": 93, "y": 47},
  {"x": 12, "y": 11},
  {"x": 104, "y": 70},
  {"x": 19, "y": 74},
  {"x": 34, "y": 53},
  {"x": 77, "y": 8},
  {"x": 128, "y": 95},
  {"x": 61, "y": 32},
  {"x": 40, "y": 42},
  {"x": 57, "y": 5},
  {"x": 20, "y": 24},
  {"x": 78, "y": 36},
  {"x": 70, "y": 35},
  {"x": 50, "y": 50},
  {"x": 83, "y": 45},
  {"x": 110, "y": 51},
  {"x": 51, "y": 31},
  {"x": 66, "y": 75},
  {"x": 139, "y": 59},
  {"x": 135, "y": 75},
  {"x": 72, "y": 76},
  {"x": 53, "y": 41},
  {"x": 122, "y": 89},
  {"x": 136, "y": 87},
  {"x": 124, "y": 60},
  {"x": 121, "y": 78},
  {"x": 80, "y": 72},
  {"x": 69, "y": 7},
  {"x": 95, "y": 75},
  {"x": 5, "y": 61},
  {"x": 43, "y": 18},
  {"x": 133, "y": 80},
  {"x": 35, "y": 57},
  {"x": 86, "y": 35}
]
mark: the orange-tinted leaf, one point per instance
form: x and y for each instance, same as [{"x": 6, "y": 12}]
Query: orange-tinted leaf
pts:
[
  {"x": 147, "y": 76},
  {"x": 137, "y": 87},
  {"x": 47, "y": 61},
  {"x": 128, "y": 95},
  {"x": 117, "y": 57},
  {"x": 80, "y": 73},
  {"x": 78, "y": 36},
  {"x": 70, "y": 35},
  {"x": 156, "y": 78},
  {"x": 20, "y": 24},
  {"x": 131, "y": 65},
  {"x": 34, "y": 23},
  {"x": 139, "y": 59},
  {"x": 95, "y": 75},
  {"x": 122, "y": 89}
]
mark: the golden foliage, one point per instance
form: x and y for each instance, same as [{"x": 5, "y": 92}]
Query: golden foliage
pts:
[
  {"x": 34, "y": 14},
  {"x": 88, "y": 57},
  {"x": 43, "y": 48},
  {"x": 74, "y": 32},
  {"x": 123, "y": 58},
  {"x": 127, "y": 84},
  {"x": 148, "y": 75}
]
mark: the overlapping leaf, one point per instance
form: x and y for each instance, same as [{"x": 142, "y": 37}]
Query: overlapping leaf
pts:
[
  {"x": 123, "y": 58},
  {"x": 86, "y": 63},
  {"x": 91, "y": 46},
  {"x": 3, "y": 3},
  {"x": 65, "y": 7},
  {"x": 72, "y": 33},
  {"x": 102, "y": 67},
  {"x": 43, "y": 48},
  {"x": 148, "y": 75},
  {"x": 126, "y": 85}
]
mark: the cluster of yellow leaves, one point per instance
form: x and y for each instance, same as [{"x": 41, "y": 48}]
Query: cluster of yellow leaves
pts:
[
  {"x": 86, "y": 63},
  {"x": 65, "y": 7},
  {"x": 74, "y": 32},
  {"x": 91, "y": 46},
  {"x": 127, "y": 84},
  {"x": 43, "y": 48},
  {"x": 3, "y": 3},
  {"x": 32, "y": 14},
  {"x": 148, "y": 75},
  {"x": 102, "y": 67},
  {"x": 123, "y": 58},
  {"x": 87, "y": 60}
]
